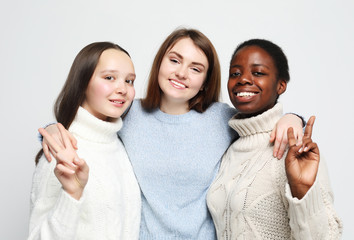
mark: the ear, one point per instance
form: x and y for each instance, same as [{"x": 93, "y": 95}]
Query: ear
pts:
[{"x": 281, "y": 88}]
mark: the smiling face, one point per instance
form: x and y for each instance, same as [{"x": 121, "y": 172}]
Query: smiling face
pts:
[
  {"x": 253, "y": 85},
  {"x": 182, "y": 73},
  {"x": 110, "y": 90}
]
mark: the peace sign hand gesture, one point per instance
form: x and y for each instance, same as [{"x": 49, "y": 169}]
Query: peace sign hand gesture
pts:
[
  {"x": 71, "y": 171},
  {"x": 301, "y": 162}
]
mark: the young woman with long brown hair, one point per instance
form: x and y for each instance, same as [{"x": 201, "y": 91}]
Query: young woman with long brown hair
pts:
[{"x": 69, "y": 201}]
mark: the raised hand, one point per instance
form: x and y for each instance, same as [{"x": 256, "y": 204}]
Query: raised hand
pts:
[
  {"x": 71, "y": 171},
  {"x": 301, "y": 162}
]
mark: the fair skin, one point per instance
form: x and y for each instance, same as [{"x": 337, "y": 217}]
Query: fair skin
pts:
[
  {"x": 253, "y": 89},
  {"x": 109, "y": 93},
  {"x": 182, "y": 74}
]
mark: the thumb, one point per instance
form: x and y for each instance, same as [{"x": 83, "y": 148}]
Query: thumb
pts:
[{"x": 81, "y": 163}]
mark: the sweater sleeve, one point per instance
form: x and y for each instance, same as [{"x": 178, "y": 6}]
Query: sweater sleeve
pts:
[
  {"x": 54, "y": 213},
  {"x": 313, "y": 216}
]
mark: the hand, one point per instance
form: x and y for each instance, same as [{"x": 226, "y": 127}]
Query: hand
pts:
[
  {"x": 301, "y": 162},
  {"x": 71, "y": 171},
  {"x": 54, "y": 132},
  {"x": 279, "y": 133}
]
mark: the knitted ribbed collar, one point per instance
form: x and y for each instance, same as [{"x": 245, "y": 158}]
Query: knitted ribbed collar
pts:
[
  {"x": 175, "y": 119},
  {"x": 93, "y": 129},
  {"x": 262, "y": 123}
]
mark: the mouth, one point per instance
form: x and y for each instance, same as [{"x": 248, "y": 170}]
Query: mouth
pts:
[
  {"x": 245, "y": 94},
  {"x": 177, "y": 84},
  {"x": 117, "y": 102}
]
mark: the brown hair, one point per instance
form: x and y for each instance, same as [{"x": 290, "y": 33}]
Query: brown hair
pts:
[
  {"x": 211, "y": 86},
  {"x": 73, "y": 92}
]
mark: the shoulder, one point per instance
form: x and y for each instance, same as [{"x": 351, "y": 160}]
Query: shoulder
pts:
[
  {"x": 222, "y": 110},
  {"x": 135, "y": 110}
]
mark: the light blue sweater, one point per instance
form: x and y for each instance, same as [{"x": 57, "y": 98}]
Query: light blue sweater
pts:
[{"x": 175, "y": 159}]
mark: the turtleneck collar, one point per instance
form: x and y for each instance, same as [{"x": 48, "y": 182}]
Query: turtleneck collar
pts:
[
  {"x": 257, "y": 129},
  {"x": 88, "y": 127}
]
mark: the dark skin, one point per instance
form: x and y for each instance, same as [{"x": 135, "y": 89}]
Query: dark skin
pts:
[
  {"x": 253, "y": 89},
  {"x": 301, "y": 162}
]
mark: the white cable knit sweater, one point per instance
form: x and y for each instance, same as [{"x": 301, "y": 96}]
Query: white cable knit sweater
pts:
[
  {"x": 251, "y": 199},
  {"x": 110, "y": 206}
]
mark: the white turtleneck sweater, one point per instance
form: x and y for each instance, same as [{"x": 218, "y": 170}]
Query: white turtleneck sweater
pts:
[
  {"x": 251, "y": 199},
  {"x": 110, "y": 206}
]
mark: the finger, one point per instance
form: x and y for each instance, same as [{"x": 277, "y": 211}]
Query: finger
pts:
[
  {"x": 49, "y": 140},
  {"x": 272, "y": 135},
  {"x": 309, "y": 126},
  {"x": 46, "y": 152},
  {"x": 64, "y": 136},
  {"x": 313, "y": 147},
  {"x": 276, "y": 147},
  {"x": 283, "y": 145},
  {"x": 67, "y": 160},
  {"x": 291, "y": 137},
  {"x": 300, "y": 136},
  {"x": 305, "y": 142},
  {"x": 81, "y": 163},
  {"x": 308, "y": 146},
  {"x": 73, "y": 140},
  {"x": 62, "y": 169}
]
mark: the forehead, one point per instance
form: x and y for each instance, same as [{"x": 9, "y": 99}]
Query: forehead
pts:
[
  {"x": 188, "y": 49},
  {"x": 115, "y": 59},
  {"x": 254, "y": 54}
]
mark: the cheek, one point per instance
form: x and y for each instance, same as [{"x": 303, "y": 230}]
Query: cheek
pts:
[
  {"x": 131, "y": 93},
  {"x": 164, "y": 67},
  {"x": 230, "y": 85},
  {"x": 198, "y": 80},
  {"x": 99, "y": 90}
]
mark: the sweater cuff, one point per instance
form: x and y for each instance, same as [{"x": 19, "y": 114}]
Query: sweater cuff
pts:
[
  {"x": 67, "y": 210},
  {"x": 309, "y": 207}
]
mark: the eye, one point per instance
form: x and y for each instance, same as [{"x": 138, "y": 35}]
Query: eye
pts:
[
  {"x": 174, "y": 60},
  {"x": 129, "y": 81},
  {"x": 235, "y": 74},
  {"x": 109, "y": 78},
  {"x": 258, "y": 74},
  {"x": 196, "y": 69}
]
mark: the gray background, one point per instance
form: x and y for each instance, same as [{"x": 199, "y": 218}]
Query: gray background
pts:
[{"x": 39, "y": 40}]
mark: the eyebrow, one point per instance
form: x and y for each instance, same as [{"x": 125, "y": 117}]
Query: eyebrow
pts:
[
  {"x": 115, "y": 71},
  {"x": 180, "y": 56},
  {"x": 253, "y": 65}
]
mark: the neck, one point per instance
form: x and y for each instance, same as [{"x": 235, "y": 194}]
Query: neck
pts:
[
  {"x": 173, "y": 108},
  {"x": 242, "y": 115}
]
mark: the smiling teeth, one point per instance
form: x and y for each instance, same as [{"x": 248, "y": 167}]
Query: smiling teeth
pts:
[
  {"x": 117, "y": 102},
  {"x": 178, "y": 84},
  {"x": 245, "y": 94}
]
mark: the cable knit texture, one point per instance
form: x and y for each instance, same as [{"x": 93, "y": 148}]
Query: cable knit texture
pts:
[
  {"x": 175, "y": 159},
  {"x": 110, "y": 205},
  {"x": 251, "y": 199}
]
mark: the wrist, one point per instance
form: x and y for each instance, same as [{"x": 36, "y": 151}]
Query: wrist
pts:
[
  {"x": 76, "y": 194},
  {"x": 299, "y": 191}
]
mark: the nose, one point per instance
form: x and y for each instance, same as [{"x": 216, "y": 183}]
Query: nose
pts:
[
  {"x": 245, "y": 79},
  {"x": 121, "y": 87},
  {"x": 181, "y": 72}
]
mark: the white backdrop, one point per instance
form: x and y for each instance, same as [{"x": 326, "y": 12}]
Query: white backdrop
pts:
[{"x": 39, "y": 40}]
